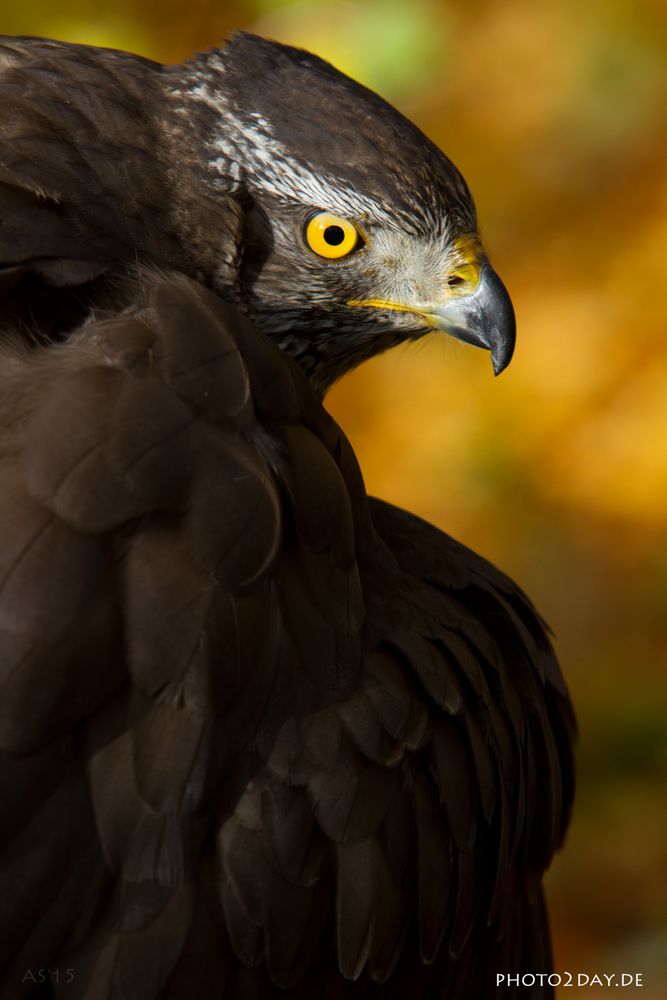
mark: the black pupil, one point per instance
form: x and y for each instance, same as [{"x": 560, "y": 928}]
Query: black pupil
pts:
[{"x": 334, "y": 236}]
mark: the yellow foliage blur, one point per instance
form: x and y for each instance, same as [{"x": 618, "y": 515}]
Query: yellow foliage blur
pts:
[{"x": 555, "y": 113}]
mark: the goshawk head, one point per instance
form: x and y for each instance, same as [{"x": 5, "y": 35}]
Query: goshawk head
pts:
[{"x": 357, "y": 232}]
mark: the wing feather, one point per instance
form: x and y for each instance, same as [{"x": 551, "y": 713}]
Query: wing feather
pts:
[{"x": 329, "y": 708}]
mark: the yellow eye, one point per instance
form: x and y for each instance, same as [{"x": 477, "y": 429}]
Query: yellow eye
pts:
[{"x": 330, "y": 236}]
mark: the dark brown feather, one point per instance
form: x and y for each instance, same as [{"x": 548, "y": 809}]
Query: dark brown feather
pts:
[
  {"x": 261, "y": 736},
  {"x": 384, "y": 786}
]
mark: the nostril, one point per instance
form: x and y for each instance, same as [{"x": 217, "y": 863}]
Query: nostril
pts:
[{"x": 455, "y": 279}]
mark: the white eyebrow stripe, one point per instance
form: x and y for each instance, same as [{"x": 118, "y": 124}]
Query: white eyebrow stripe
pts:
[{"x": 292, "y": 179}]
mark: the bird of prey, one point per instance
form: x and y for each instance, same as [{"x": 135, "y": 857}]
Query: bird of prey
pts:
[{"x": 261, "y": 735}]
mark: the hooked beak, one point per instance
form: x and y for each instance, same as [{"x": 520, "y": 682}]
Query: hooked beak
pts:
[{"x": 483, "y": 317}]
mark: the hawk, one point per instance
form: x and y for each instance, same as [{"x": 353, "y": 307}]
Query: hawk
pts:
[{"x": 261, "y": 735}]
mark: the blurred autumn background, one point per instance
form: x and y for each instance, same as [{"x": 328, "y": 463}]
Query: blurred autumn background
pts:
[{"x": 555, "y": 113}]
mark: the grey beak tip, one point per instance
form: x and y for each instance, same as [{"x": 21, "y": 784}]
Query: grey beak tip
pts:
[
  {"x": 501, "y": 355},
  {"x": 484, "y": 318},
  {"x": 503, "y": 336}
]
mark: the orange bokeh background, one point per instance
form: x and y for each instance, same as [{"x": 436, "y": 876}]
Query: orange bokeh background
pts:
[{"x": 557, "y": 471}]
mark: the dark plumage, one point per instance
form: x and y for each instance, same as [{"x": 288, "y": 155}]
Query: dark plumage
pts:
[{"x": 261, "y": 735}]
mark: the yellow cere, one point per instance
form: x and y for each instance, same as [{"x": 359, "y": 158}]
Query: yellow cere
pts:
[
  {"x": 463, "y": 277},
  {"x": 330, "y": 236}
]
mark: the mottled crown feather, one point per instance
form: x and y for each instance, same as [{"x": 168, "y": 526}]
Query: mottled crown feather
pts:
[{"x": 334, "y": 125}]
